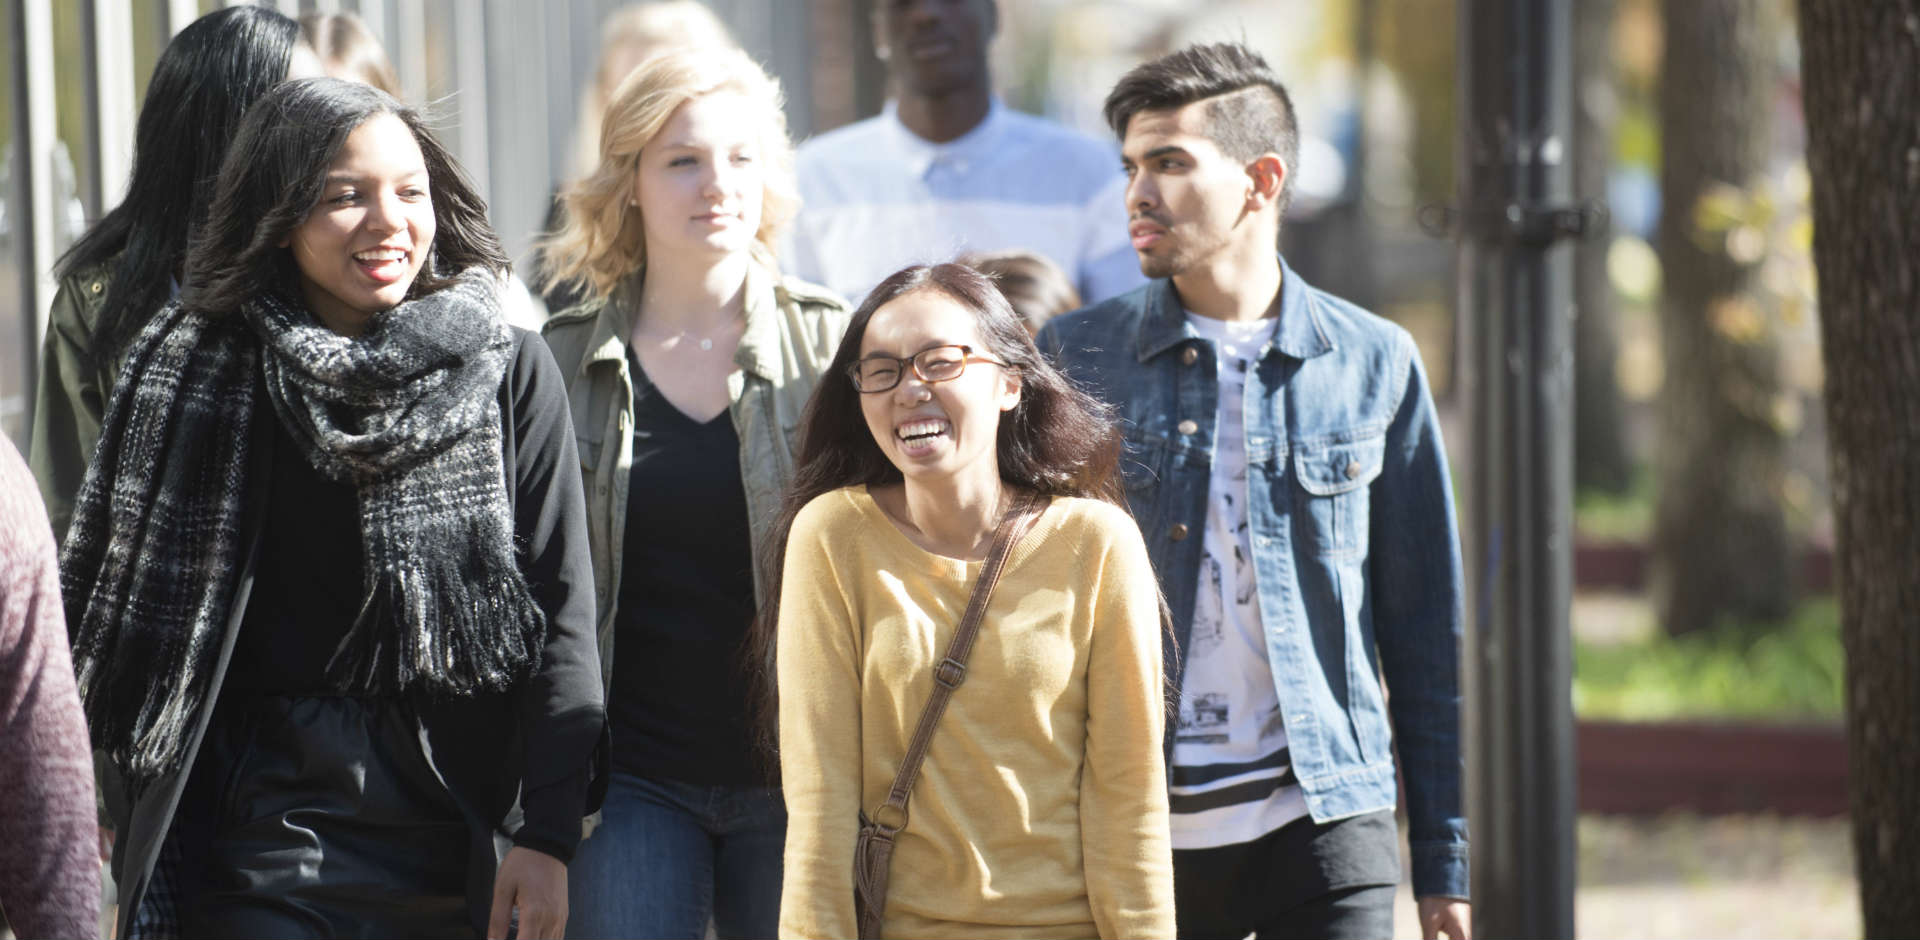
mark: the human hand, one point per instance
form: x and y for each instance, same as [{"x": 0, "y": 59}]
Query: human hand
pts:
[
  {"x": 106, "y": 845},
  {"x": 536, "y": 884},
  {"x": 1451, "y": 916}
]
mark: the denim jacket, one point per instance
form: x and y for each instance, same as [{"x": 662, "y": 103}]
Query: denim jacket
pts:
[{"x": 1356, "y": 555}]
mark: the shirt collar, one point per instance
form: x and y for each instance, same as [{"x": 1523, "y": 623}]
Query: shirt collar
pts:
[
  {"x": 919, "y": 154},
  {"x": 1299, "y": 333}
]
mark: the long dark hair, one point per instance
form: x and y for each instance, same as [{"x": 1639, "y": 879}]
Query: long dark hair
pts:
[
  {"x": 1058, "y": 441},
  {"x": 273, "y": 177},
  {"x": 205, "y": 81}
]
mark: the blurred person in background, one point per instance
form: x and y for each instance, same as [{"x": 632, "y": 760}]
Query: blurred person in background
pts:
[
  {"x": 627, "y": 37},
  {"x": 1041, "y": 806},
  {"x": 1036, "y": 287},
  {"x": 1314, "y": 554},
  {"x": 947, "y": 168},
  {"x": 49, "y": 863},
  {"x": 348, "y": 50},
  {"x": 689, "y": 363},
  {"x": 124, "y": 269},
  {"x": 328, "y": 574}
]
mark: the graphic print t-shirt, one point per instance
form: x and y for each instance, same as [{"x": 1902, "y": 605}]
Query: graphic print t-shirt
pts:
[{"x": 1232, "y": 780}]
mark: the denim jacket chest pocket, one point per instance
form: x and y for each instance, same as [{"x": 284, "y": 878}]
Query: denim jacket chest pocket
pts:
[
  {"x": 1331, "y": 498},
  {"x": 1143, "y": 463}
]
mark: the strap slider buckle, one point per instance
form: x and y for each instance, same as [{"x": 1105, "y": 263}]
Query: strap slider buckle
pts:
[{"x": 950, "y": 673}]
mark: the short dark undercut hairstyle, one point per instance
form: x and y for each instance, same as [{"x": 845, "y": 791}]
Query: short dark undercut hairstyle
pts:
[{"x": 1248, "y": 110}]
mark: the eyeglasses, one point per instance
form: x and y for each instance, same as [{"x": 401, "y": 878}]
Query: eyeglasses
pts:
[{"x": 880, "y": 373}]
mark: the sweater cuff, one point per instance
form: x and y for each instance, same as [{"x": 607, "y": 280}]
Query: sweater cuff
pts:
[{"x": 553, "y": 813}]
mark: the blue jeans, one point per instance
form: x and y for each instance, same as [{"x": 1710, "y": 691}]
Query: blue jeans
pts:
[{"x": 668, "y": 857}]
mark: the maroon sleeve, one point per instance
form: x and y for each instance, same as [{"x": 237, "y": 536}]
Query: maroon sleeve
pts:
[{"x": 49, "y": 860}]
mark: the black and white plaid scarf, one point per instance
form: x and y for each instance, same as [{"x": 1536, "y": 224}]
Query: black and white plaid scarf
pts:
[{"x": 407, "y": 413}]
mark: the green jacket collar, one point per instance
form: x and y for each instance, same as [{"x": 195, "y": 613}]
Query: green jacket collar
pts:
[{"x": 759, "y": 350}]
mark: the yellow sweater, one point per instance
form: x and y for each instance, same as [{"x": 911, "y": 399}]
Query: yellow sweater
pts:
[{"x": 1041, "y": 810}]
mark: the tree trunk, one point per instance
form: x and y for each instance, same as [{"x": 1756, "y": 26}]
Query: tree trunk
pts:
[
  {"x": 1600, "y": 458},
  {"x": 1861, "y": 65},
  {"x": 1720, "y": 537}
]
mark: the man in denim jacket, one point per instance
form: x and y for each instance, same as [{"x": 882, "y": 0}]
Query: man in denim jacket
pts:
[{"x": 1284, "y": 462}]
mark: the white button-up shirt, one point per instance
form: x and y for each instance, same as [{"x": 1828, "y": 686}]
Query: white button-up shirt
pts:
[{"x": 878, "y": 197}]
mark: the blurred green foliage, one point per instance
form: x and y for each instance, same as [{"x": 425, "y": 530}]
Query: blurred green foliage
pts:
[
  {"x": 1789, "y": 672},
  {"x": 1637, "y": 136},
  {"x": 1416, "y": 39},
  {"x": 1626, "y": 516}
]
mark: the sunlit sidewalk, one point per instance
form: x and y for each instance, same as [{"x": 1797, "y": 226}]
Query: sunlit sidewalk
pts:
[{"x": 1683, "y": 876}]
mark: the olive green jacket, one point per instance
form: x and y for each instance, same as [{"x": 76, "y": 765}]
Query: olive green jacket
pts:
[
  {"x": 792, "y": 331},
  {"x": 69, "y": 404},
  {"x": 71, "y": 399}
]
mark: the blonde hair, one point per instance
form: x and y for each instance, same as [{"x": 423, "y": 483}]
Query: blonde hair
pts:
[
  {"x": 603, "y": 240},
  {"x": 347, "y": 49},
  {"x": 628, "y": 37}
]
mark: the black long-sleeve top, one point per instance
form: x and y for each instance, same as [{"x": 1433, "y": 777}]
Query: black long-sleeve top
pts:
[{"x": 308, "y": 585}]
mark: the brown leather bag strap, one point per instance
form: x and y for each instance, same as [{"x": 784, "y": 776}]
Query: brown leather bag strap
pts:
[{"x": 952, "y": 670}]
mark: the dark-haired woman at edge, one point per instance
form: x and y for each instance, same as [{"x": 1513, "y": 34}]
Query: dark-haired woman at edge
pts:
[
  {"x": 130, "y": 263},
  {"x": 328, "y": 572},
  {"x": 1041, "y": 809}
]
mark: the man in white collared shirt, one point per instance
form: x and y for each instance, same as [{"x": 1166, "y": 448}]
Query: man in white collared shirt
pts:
[{"x": 948, "y": 169}]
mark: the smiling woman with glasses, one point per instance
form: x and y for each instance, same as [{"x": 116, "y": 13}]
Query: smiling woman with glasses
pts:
[
  {"x": 1040, "y": 808},
  {"x": 880, "y": 372}
]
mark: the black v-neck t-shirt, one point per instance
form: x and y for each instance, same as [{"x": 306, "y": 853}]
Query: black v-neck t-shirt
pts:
[{"x": 678, "y": 705}]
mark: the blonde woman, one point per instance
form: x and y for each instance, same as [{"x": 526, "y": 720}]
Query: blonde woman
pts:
[
  {"x": 627, "y": 37},
  {"x": 687, "y": 365}
]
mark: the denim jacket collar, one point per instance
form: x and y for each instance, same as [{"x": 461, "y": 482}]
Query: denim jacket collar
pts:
[{"x": 1300, "y": 333}]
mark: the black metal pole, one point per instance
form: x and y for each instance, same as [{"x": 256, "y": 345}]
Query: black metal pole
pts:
[{"x": 1516, "y": 288}]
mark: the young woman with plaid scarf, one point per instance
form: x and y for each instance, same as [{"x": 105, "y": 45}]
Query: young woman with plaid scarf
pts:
[{"x": 328, "y": 571}]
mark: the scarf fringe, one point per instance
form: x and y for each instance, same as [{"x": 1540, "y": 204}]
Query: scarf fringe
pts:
[{"x": 431, "y": 629}]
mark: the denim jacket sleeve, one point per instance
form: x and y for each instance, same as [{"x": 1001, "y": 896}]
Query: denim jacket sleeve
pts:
[{"x": 1416, "y": 568}]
